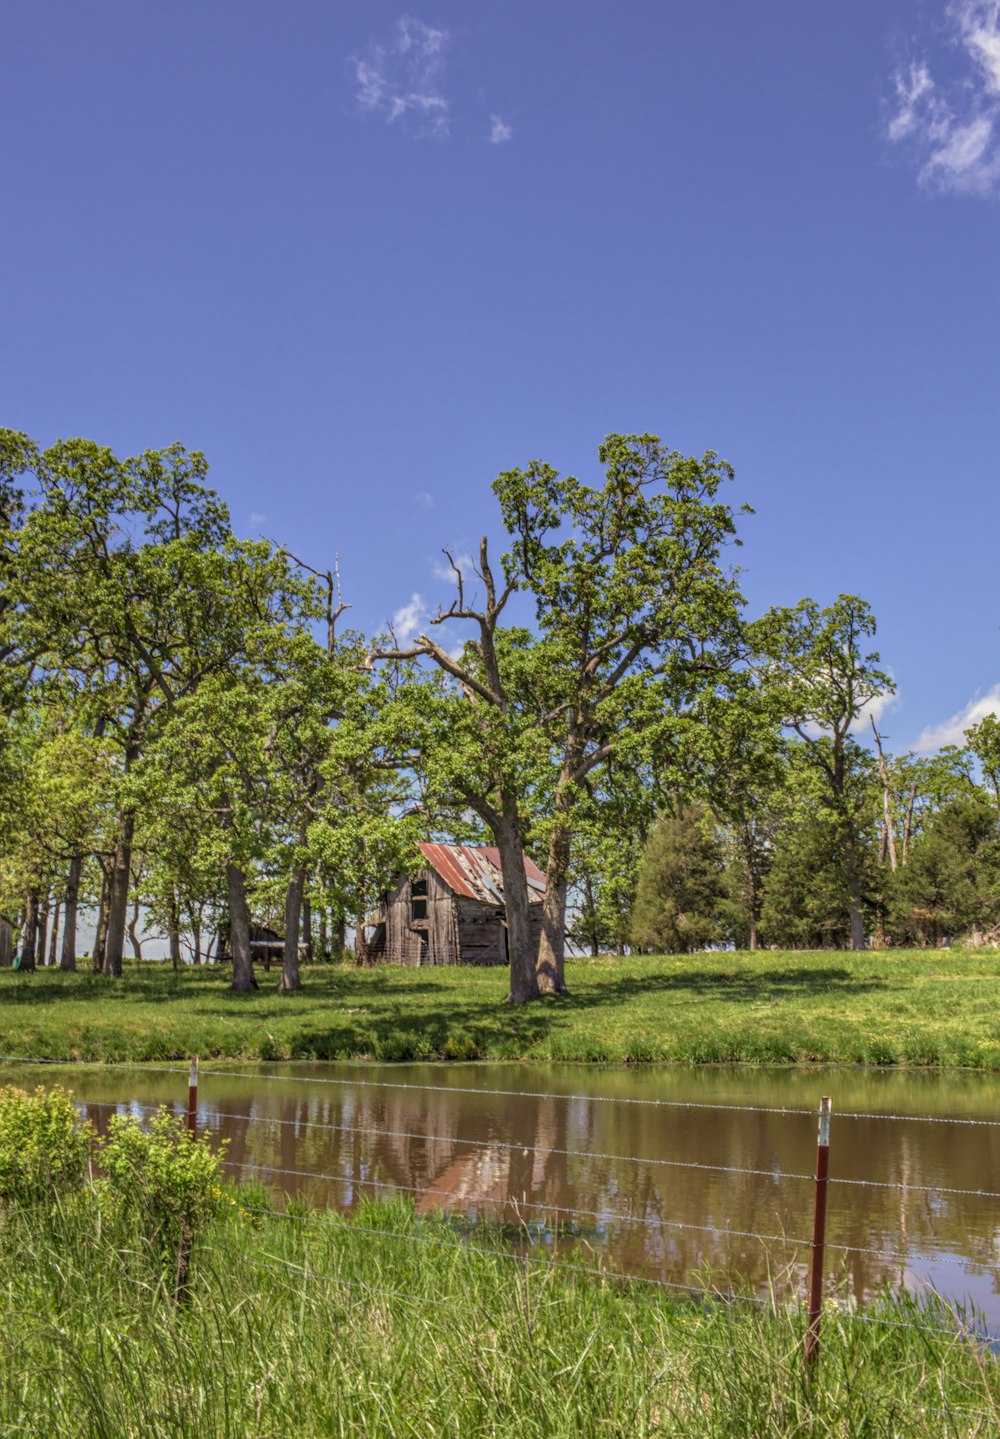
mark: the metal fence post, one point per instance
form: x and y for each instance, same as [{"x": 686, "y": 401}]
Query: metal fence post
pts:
[
  {"x": 192, "y": 1114},
  {"x": 819, "y": 1233}
]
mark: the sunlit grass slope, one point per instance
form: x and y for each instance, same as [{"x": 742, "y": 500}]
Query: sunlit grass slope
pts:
[{"x": 903, "y": 1007}]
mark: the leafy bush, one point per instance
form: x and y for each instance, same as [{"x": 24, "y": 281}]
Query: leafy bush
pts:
[
  {"x": 166, "y": 1182},
  {"x": 44, "y": 1145}
]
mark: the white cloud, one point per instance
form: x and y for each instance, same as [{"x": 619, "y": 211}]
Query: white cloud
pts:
[
  {"x": 422, "y": 500},
  {"x": 953, "y": 132},
  {"x": 256, "y": 519},
  {"x": 952, "y": 731},
  {"x": 408, "y": 620},
  {"x": 500, "y": 130},
  {"x": 875, "y": 709},
  {"x": 403, "y": 78}
]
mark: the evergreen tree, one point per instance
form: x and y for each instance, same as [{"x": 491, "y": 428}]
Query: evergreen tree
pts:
[{"x": 680, "y": 888}]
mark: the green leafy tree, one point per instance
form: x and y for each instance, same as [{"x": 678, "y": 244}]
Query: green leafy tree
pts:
[
  {"x": 678, "y": 903},
  {"x": 815, "y": 662},
  {"x": 634, "y": 613},
  {"x": 951, "y": 885}
]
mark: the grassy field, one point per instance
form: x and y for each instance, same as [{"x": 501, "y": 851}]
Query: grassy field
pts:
[
  {"x": 903, "y": 1007},
  {"x": 385, "y": 1325}
]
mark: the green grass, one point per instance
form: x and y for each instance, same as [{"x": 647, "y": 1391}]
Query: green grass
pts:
[
  {"x": 390, "y": 1326},
  {"x": 936, "y": 1008}
]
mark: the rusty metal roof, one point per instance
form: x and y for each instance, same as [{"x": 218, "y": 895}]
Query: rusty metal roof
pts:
[{"x": 473, "y": 870}]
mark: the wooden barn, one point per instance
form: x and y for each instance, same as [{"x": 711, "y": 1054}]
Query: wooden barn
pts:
[{"x": 451, "y": 911}]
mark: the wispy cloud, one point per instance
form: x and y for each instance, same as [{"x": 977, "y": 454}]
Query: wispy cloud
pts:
[
  {"x": 952, "y": 730},
  {"x": 408, "y": 620},
  {"x": 952, "y": 131},
  {"x": 256, "y": 519},
  {"x": 875, "y": 710},
  {"x": 402, "y": 79},
  {"x": 422, "y": 500},
  {"x": 500, "y": 130}
]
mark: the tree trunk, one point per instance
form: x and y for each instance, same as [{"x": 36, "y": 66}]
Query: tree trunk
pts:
[
  {"x": 293, "y": 908},
  {"x": 68, "y": 955},
  {"x": 133, "y": 930},
  {"x": 361, "y": 955},
  {"x": 324, "y": 952},
  {"x": 43, "y": 931},
  {"x": 239, "y": 929},
  {"x": 53, "y": 942},
  {"x": 26, "y": 959},
  {"x": 552, "y": 944},
  {"x": 307, "y": 928},
  {"x": 908, "y": 826},
  {"x": 118, "y": 887},
  {"x": 101, "y": 934},
  {"x": 520, "y": 946},
  {"x": 340, "y": 938},
  {"x": 174, "y": 930}
]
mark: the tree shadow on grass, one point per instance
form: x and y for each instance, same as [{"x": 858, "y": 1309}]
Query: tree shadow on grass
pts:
[{"x": 466, "y": 1030}]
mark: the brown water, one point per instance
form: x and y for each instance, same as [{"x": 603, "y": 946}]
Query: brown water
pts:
[{"x": 569, "y": 1153}]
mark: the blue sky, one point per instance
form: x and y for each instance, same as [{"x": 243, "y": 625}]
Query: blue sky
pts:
[{"x": 365, "y": 257}]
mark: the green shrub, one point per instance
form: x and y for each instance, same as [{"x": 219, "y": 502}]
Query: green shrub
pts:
[
  {"x": 166, "y": 1182},
  {"x": 44, "y": 1145}
]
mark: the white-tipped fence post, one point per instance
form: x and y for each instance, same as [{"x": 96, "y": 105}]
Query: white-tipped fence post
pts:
[
  {"x": 819, "y": 1233},
  {"x": 192, "y": 1114}
]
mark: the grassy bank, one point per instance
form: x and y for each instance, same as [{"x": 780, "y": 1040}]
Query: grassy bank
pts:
[
  {"x": 903, "y": 1007},
  {"x": 389, "y": 1326}
]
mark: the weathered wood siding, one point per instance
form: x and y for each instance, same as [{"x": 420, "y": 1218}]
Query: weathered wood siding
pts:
[
  {"x": 454, "y": 930},
  {"x": 481, "y": 932},
  {"x": 402, "y": 946},
  {"x": 442, "y": 921}
]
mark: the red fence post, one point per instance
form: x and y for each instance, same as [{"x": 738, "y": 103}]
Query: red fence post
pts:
[
  {"x": 819, "y": 1233},
  {"x": 192, "y": 1114}
]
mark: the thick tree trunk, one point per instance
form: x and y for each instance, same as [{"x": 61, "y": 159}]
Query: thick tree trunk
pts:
[
  {"x": 101, "y": 935},
  {"x": 26, "y": 959},
  {"x": 54, "y": 941},
  {"x": 118, "y": 887},
  {"x": 68, "y": 954},
  {"x": 340, "y": 938},
  {"x": 552, "y": 944},
  {"x": 239, "y": 929},
  {"x": 293, "y": 908},
  {"x": 520, "y": 946},
  {"x": 324, "y": 952}
]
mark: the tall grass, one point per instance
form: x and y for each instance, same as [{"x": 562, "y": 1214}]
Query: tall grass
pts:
[{"x": 308, "y": 1325}]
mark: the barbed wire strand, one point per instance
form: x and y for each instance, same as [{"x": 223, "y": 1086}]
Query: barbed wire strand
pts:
[
  {"x": 651, "y": 1222},
  {"x": 917, "y": 1187}
]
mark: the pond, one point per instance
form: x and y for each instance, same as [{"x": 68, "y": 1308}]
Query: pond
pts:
[{"x": 688, "y": 1176}]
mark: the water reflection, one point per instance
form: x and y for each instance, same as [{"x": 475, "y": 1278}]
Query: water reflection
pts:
[{"x": 661, "y": 1191}]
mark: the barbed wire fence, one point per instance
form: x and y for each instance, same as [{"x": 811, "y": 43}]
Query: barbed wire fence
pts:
[{"x": 946, "y": 1317}]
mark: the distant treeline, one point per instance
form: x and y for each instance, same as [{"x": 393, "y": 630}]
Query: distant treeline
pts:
[{"x": 190, "y": 726}]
